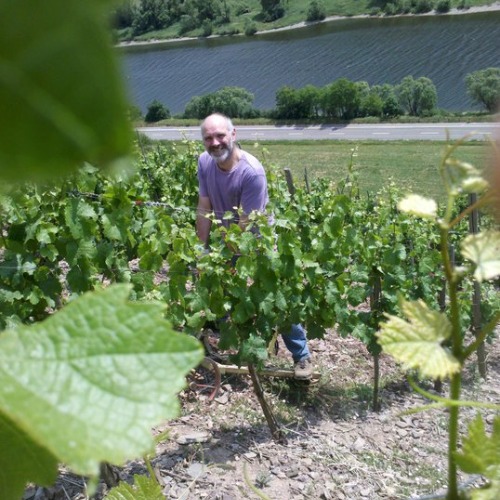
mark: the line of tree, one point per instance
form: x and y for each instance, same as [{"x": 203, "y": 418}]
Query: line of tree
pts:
[
  {"x": 144, "y": 16},
  {"x": 137, "y": 17},
  {"x": 204, "y": 17},
  {"x": 397, "y": 7},
  {"x": 342, "y": 99}
]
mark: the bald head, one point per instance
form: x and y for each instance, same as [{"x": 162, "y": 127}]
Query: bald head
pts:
[{"x": 217, "y": 120}]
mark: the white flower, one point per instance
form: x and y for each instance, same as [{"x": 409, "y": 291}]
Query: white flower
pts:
[
  {"x": 418, "y": 205},
  {"x": 475, "y": 184}
]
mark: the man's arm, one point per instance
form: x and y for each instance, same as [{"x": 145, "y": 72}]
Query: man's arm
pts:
[{"x": 203, "y": 224}]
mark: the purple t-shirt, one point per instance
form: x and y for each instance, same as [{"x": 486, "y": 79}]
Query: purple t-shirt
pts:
[{"x": 245, "y": 186}]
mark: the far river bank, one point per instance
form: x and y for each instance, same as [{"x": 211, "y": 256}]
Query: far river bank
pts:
[{"x": 453, "y": 12}]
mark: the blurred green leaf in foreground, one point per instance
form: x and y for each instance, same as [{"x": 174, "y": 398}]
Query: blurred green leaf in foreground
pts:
[
  {"x": 61, "y": 97},
  {"x": 86, "y": 386}
]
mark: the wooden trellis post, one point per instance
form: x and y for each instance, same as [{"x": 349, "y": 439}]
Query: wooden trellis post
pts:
[
  {"x": 476, "y": 301},
  {"x": 375, "y": 307},
  {"x": 289, "y": 181}
]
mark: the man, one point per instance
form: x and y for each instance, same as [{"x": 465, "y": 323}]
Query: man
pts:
[{"x": 231, "y": 179}]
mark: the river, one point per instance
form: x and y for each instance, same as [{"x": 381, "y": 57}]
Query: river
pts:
[{"x": 443, "y": 48}]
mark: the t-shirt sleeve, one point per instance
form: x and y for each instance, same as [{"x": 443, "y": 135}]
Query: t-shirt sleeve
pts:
[
  {"x": 202, "y": 180},
  {"x": 254, "y": 195}
]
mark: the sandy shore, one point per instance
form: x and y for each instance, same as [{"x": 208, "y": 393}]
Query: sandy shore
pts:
[{"x": 472, "y": 10}]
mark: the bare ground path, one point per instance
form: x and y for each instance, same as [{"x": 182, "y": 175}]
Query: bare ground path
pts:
[{"x": 338, "y": 448}]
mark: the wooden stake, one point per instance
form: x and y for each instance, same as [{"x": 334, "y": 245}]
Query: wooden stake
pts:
[
  {"x": 273, "y": 424},
  {"x": 243, "y": 370}
]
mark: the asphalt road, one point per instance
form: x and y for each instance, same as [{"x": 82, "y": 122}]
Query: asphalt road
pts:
[{"x": 388, "y": 132}]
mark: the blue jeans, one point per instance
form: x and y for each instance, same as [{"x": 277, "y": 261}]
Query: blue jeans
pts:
[{"x": 296, "y": 342}]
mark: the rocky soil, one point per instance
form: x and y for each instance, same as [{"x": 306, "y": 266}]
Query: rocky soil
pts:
[{"x": 337, "y": 447}]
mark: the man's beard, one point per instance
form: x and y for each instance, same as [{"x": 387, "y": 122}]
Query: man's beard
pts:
[{"x": 222, "y": 154}]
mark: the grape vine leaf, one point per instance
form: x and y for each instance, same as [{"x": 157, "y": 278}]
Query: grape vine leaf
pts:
[
  {"x": 253, "y": 350},
  {"x": 61, "y": 92},
  {"x": 416, "y": 342},
  {"x": 87, "y": 384},
  {"x": 144, "y": 488},
  {"x": 484, "y": 250},
  {"x": 21, "y": 458},
  {"x": 481, "y": 455}
]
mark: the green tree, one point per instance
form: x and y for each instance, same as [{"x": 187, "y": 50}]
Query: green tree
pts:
[
  {"x": 188, "y": 22},
  {"x": 175, "y": 9},
  {"x": 367, "y": 102},
  {"x": 225, "y": 15},
  {"x": 207, "y": 27},
  {"x": 421, "y": 6},
  {"x": 272, "y": 10},
  {"x": 151, "y": 15},
  {"x": 197, "y": 107},
  {"x": 286, "y": 102},
  {"x": 297, "y": 103},
  {"x": 124, "y": 14},
  {"x": 372, "y": 105},
  {"x": 235, "y": 102},
  {"x": 363, "y": 89},
  {"x": 341, "y": 99},
  {"x": 208, "y": 9},
  {"x": 316, "y": 11},
  {"x": 250, "y": 27},
  {"x": 391, "y": 106},
  {"x": 417, "y": 97},
  {"x": 391, "y": 9},
  {"x": 443, "y": 6},
  {"x": 387, "y": 93},
  {"x": 310, "y": 97},
  {"x": 156, "y": 112},
  {"x": 483, "y": 86}
]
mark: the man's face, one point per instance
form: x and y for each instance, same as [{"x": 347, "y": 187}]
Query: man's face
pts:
[{"x": 218, "y": 140}]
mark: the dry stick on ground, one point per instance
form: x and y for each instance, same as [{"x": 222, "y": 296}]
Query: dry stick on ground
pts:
[
  {"x": 210, "y": 364},
  {"x": 273, "y": 424}
]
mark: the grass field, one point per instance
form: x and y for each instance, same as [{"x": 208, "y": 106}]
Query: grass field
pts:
[{"x": 412, "y": 165}]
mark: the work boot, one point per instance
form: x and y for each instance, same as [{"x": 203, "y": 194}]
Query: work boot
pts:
[{"x": 303, "y": 369}]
